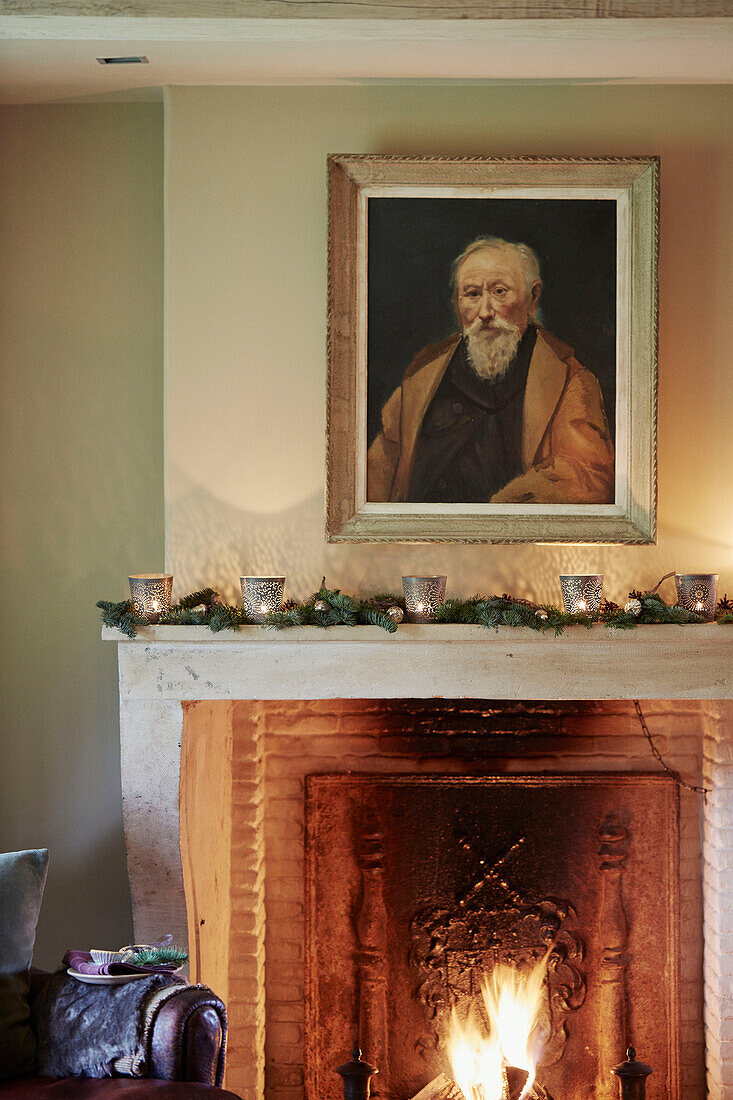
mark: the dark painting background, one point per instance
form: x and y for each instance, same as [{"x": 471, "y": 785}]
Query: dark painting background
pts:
[{"x": 413, "y": 242}]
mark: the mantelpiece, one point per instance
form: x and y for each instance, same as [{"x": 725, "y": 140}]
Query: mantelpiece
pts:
[{"x": 652, "y": 662}]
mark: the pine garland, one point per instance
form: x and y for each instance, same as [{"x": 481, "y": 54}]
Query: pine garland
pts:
[
  {"x": 330, "y": 607},
  {"x": 340, "y": 610}
]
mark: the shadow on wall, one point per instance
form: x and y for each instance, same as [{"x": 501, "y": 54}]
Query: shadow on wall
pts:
[{"x": 210, "y": 542}]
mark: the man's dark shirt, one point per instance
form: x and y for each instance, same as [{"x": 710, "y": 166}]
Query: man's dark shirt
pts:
[{"x": 470, "y": 442}]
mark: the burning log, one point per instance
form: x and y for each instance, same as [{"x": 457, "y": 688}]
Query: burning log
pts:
[
  {"x": 440, "y": 1088},
  {"x": 515, "y": 1080},
  {"x": 513, "y": 1085},
  {"x": 540, "y": 1092}
]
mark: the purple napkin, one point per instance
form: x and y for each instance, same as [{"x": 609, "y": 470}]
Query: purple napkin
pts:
[{"x": 81, "y": 961}]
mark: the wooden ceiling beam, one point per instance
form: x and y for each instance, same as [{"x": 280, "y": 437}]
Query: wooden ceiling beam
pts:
[{"x": 363, "y": 9}]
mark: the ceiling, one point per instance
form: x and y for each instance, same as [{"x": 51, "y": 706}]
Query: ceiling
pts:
[{"x": 54, "y": 58}]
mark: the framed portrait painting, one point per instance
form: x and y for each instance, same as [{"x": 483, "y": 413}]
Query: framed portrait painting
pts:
[{"x": 492, "y": 349}]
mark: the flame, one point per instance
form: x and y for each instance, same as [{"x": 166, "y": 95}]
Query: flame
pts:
[{"x": 513, "y": 1000}]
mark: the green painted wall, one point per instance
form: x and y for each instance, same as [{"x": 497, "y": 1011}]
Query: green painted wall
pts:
[{"x": 81, "y": 446}]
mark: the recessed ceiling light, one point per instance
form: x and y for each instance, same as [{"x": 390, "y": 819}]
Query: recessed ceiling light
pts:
[{"x": 123, "y": 61}]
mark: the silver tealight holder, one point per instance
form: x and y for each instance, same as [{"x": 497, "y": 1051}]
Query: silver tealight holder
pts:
[
  {"x": 261, "y": 595},
  {"x": 151, "y": 594},
  {"x": 423, "y": 597},
  {"x": 582, "y": 592},
  {"x": 698, "y": 592}
]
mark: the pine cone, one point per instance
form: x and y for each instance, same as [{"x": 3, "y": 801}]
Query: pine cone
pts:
[{"x": 725, "y": 604}]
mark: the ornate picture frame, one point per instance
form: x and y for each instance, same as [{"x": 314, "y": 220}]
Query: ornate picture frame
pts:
[{"x": 419, "y": 251}]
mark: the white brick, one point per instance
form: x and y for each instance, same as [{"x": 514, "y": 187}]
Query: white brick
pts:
[
  {"x": 720, "y": 859},
  {"x": 721, "y": 1030},
  {"x": 718, "y": 989}
]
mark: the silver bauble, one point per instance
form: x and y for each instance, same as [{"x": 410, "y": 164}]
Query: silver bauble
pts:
[
  {"x": 633, "y": 607},
  {"x": 320, "y": 605},
  {"x": 396, "y": 614}
]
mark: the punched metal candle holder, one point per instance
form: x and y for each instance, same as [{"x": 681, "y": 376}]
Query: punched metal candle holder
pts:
[
  {"x": 357, "y": 1075},
  {"x": 423, "y": 597},
  {"x": 151, "y": 594},
  {"x": 581, "y": 593},
  {"x": 632, "y": 1077},
  {"x": 697, "y": 592},
  {"x": 261, "y": 595}
]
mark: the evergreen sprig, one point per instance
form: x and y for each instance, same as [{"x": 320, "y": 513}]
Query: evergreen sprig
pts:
[
  {"x": 159, "y": 956},
  {"x": 224, "y": 616},
  {"x": 120, "y": 615},
  {"x": 207, "y": 597},
  {"x": 340, "y": 610},
  {"x": 655, "y": 610},
  {"x": 494, "y": 611}
]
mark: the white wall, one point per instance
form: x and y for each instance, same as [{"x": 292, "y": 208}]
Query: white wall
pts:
[
  {"x": 246, "y": 322},
  {"x": 81, "y": 503}
]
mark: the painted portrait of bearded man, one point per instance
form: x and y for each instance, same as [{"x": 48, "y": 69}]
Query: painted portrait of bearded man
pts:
[{"x": 501, "y": 411}]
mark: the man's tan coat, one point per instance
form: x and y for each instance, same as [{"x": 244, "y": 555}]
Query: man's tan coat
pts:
[{"x": 567, "y": 453}]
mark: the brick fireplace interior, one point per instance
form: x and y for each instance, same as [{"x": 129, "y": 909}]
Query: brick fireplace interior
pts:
[{"x": 244, "y": 787}]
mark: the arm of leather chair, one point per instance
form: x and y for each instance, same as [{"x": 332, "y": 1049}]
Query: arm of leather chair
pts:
[{"x": 187, "y": 1041}]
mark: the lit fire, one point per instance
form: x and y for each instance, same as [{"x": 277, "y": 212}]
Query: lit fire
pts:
[{"x": 513, "y": 1000}]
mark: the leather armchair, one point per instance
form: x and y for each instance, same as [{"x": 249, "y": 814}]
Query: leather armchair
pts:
[{"x": 185, "y": 1057}]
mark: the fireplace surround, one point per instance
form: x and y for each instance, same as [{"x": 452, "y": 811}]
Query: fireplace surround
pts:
[{"x": 238, "y": 723}]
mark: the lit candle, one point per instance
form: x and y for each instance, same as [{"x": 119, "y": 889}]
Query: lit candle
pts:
[
  {"x": 581, "y": 593},
  {"x": 151, "y": 594},
  {"x": 423, "y": 597},
  {"x": 698, "y": 592},
  {"x": 261, "y": 596}
]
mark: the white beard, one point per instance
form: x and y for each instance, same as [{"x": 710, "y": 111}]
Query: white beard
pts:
[{"x": 492, "y": 350}]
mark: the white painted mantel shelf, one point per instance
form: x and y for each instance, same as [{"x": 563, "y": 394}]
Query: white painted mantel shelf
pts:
[{"x": 651, "y": 662}]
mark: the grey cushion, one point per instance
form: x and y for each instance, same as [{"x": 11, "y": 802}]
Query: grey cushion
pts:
[{"x": 22, "y": 878}]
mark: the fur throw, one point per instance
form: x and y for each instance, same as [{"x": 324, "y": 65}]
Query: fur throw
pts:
[{"x": 84, "y": 1030}]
